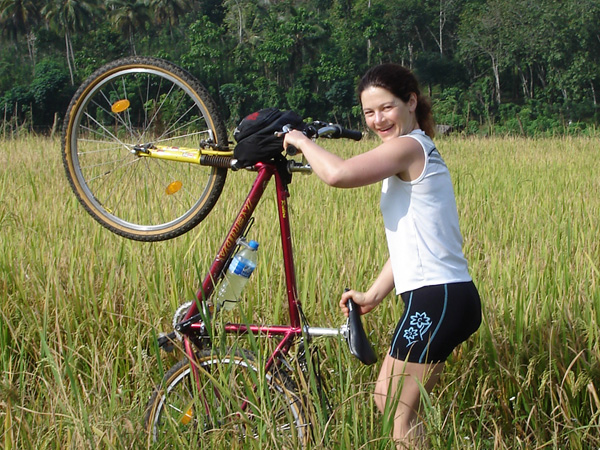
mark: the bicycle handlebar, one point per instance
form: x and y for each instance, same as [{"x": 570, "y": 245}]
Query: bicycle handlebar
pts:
[
  {"x": 314, "y": 130},
  {"x": 318, "y": 129},
  {"x": 335, "y": 131}
]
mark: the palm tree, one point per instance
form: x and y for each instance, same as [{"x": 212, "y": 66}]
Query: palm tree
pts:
[
  {"x": 18, "y": 17},
  {"x": 127, "y": 16},
  {"x": 69, "y": 17},
  {"x": 167, "y": 12}
]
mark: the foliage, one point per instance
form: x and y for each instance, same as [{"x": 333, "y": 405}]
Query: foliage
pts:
[
  {"x": 48, "y": 93},
  {"x": 50, "y": 90},
  {"x": 472, "y": 56}
]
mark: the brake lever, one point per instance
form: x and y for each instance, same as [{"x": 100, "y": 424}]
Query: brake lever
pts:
[{"x": 290, "y": 150}]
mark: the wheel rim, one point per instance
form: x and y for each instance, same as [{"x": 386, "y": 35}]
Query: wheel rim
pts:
[
  {"x": 281, "y": 411},
  {"x": 132, "y": 192}
]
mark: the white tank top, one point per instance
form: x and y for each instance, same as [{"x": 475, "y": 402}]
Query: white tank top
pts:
[{"x": 421, "y": 224}]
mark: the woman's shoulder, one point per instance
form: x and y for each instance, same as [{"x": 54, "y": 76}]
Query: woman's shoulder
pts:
[
  {"x": 422, "y": 138},
  {"x": 418, "y": 134}
]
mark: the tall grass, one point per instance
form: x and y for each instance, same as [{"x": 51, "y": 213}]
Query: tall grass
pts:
[{"x": 80, "y": 307}]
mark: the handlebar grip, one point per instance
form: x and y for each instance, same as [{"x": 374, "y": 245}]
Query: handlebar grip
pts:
[{"x": 350, "y": 134}]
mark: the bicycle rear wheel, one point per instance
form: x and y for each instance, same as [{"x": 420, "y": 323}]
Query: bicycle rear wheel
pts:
[
  {"x": 232, "y": 402},
  {"x": 130, "y": 103}
]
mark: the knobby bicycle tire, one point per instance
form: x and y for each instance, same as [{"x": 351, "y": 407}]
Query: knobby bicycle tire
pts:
[
  {"x": 138, "y": 101},
  {"x": 235, "y": 401}
]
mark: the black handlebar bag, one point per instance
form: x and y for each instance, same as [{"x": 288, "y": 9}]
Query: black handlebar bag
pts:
[{"x": 255, "y": 135}]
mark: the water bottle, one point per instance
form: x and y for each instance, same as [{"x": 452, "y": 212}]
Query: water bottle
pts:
[{"x": 241, "y": 267}]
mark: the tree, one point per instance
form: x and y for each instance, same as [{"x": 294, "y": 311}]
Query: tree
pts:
[
  {"x": 167, "y": 12},
  {"x": 49, "y": 90},
  {"x": 69, "y": 17},
  {"x": 207, "y": 56},
  {"x": 572, "y": 48},
  {"x": 128, "y": 16},
  {"x": 287, "y": 41},
  {"x": 444, "y": 13},
  {"x": 19, "y": 17},
  {"x": 237, "y": 15},
  {"x": 482, "y": 32}
]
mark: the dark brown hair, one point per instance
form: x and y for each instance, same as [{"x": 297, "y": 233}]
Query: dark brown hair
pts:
[{"x": 401, "y": 82}]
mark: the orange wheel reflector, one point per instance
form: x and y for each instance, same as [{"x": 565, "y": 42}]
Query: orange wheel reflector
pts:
[
  {"x": 173, "y": 187},
  {"x": 120, "y": 105},
  {"x": 187, "y": 417}
]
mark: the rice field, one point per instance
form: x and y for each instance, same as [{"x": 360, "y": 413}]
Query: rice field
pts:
[{"x": 80, "y": 308}]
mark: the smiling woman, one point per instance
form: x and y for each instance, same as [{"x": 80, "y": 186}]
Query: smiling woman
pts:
[
  {"x": 426, "y": 265},
  {"x": 386, "y": 114},
  {"x": 404, "y": 88}
]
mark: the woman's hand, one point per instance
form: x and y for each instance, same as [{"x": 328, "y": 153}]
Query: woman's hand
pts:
[
  {"x": 294, "y": 138},
  {"x": 364, "y": 302}
]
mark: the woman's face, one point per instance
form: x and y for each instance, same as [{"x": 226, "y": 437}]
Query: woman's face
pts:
[{"x": 387, "y": 115}]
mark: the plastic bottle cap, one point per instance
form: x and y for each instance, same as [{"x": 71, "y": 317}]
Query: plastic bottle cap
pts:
[{"x": 253, "y": 245}]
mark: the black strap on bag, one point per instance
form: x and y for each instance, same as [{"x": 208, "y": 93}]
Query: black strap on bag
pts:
[{"x": 256, "y": 138}]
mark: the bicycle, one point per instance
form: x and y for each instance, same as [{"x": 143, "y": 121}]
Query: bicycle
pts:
[{"x": 117, "y": 159}]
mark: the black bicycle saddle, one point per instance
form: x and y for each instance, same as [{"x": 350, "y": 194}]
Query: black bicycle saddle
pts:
[{"x": 357, "y": 338}]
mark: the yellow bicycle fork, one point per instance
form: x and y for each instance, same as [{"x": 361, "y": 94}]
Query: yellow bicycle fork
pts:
[
  {"x": 204, "y": 157},
  {"x": 181, "y": 154}
]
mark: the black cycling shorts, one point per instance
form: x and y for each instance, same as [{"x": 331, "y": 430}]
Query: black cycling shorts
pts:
[{"x": 435, "y": 321}]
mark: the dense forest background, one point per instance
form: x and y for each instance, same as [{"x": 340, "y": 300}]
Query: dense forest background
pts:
[{"x": 526, "y": 67}]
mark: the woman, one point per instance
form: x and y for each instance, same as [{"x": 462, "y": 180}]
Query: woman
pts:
[{"x": 426, "y": 264}]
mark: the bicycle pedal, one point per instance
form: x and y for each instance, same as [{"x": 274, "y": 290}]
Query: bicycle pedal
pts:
[{"x": 167, "y": 341}]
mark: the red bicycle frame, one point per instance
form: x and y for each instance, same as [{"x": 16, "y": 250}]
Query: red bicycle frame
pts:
[{"x": 287, "y": 332}]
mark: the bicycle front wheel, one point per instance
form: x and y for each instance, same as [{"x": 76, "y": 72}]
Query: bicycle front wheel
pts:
[
  {"x": 129, "y": 104},
  {"x": 232, "y": 401}
]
